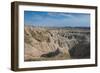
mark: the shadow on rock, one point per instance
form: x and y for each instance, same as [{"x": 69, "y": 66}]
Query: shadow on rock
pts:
[
  {"x": 51, "y": 54},
  {"x": 80, "y": 51}
]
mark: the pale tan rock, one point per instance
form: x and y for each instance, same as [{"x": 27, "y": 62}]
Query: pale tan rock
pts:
[{"x": 39, "y": 41}]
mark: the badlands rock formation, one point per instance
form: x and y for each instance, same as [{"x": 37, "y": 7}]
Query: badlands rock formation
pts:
[{"x": 42, "y": 43}]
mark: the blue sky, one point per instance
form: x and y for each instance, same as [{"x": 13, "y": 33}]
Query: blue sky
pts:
[{"x": 56, "y": 19}]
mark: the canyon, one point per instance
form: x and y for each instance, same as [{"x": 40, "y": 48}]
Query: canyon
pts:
[{"x": 52, "y": 43}]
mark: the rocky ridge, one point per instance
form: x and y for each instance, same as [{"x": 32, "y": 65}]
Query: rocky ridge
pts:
[{"x": 55, "y": 44}]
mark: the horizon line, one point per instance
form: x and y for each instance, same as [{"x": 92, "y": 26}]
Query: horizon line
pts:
[{"x": 52, "y": 26}]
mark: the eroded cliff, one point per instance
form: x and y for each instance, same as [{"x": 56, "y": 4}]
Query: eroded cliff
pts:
[{"x": 55, "y": 43}]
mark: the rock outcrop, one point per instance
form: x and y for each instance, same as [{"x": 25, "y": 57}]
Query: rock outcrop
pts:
[{"x": 53, "y": 43}]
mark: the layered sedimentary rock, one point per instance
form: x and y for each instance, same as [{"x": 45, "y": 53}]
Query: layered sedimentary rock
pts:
[{"x": 43, "y": 43}]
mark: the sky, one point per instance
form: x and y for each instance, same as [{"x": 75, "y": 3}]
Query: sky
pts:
[{"x": 56, "y": 19}]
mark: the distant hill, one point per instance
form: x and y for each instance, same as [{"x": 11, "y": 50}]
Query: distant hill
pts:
[{"x": 64, "y": 27}]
